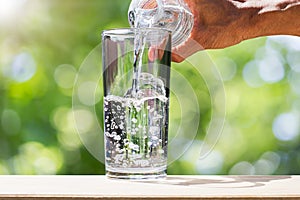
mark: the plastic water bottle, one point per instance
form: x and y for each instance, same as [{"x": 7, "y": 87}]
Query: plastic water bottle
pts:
[{"x": 173, "y": 15}]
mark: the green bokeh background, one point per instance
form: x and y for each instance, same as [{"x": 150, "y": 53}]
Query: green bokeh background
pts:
[{"x": 44, "y": 46}]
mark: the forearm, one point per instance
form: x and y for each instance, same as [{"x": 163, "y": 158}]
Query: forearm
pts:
[
  {"x": 223, "y": 23},
  {"x": 266, "y": 17}
]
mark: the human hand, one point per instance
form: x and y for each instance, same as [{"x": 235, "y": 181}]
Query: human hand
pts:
[
  {"x": 223, "y": 23},
  {"x": 217, "y": 24}
]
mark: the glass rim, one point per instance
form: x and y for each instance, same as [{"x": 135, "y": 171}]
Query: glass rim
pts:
[{"x": 131, "y": 31}]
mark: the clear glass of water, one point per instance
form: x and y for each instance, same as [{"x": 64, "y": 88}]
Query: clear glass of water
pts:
[{"x": 136, "y": 75}]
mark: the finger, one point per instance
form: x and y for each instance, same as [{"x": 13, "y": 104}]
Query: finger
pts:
[
  {"x": 183, "y": 51},
  {"x": 156, "y": 52}
]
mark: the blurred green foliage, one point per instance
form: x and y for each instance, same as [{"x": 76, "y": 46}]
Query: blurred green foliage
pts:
[{"x": 43, "y": 45}]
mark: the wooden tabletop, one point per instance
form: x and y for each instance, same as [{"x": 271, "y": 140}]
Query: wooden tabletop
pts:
[{"x": 173, "y": 187}]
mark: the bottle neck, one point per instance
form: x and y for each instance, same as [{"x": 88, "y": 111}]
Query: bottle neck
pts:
[{"x": 173, "y": 15}]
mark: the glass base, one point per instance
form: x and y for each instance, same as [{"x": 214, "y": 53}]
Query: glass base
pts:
[{"x": 136, "y": 175}]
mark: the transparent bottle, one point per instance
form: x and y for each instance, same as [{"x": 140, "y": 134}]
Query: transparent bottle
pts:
[{"x": 173, "y": 15}]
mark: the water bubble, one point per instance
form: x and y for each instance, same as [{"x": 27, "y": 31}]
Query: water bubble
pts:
[
  {"x": 134, "y": 120},
  {"x": 114, "y": 133},
  {"x": 154, "y": 130},
  {"x": 133, "y": 146},
  {"x": 117, "y": 137},
  {"x": 126, "y": 141},
  {"x": 154, "y": 138},
  {"x": 161, "y": 151},
  {"x": 141, "y": 163}
]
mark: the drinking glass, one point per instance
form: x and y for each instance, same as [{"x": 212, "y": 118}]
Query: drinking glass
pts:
[{"x": 136, "y": 75}]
